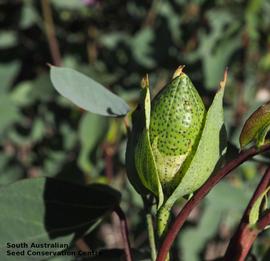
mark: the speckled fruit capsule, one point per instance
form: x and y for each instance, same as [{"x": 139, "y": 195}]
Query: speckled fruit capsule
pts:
[{"x": 177, "y": 119}]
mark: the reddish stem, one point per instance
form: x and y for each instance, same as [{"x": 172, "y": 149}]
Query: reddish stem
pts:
[
  {"x": 200, "y": 194},
  {"x": 50, "y": 32},
  {"x": 124, "y": 232},
  {"x": 264, "y": 221},
  {"x": 245, "y": 235},
  {"x": 265, "y": 181},
  {"x": 243, "y": 240}
]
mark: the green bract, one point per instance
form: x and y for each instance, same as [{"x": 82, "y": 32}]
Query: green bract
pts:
[
  {"x": 256, "y": 127},
  {"x": 174, "y": 144}
]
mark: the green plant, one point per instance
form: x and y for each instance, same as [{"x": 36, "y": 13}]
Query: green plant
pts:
[
  {"x": 169, "y": 135},
  {"x": 62, "y": 168},
  {"x": 153, "y": 171}
]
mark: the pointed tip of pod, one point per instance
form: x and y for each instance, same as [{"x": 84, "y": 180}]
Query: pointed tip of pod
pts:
[
  {"x": 178, "y": 71},
  {"x": 223, "y": 82},
  {"x": 145, "y": 82}
]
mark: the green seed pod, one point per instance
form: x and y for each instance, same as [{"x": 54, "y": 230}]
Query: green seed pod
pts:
[
  {"x": 174, "y": 145},
  {"x": 177, "y": 118},
  {"x": 164, "y": 136}
]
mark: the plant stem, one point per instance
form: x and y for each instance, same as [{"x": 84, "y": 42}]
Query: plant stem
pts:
[
  {"x": 264, "y": 221},
  {"x": 50, "y": 32},
  {"x": 201, "y": 193},
  {"x": 124, "y": 232},
  {"x": 244, "y": 239},
  {"x": 245, "y": 235},
  {"x": 151, "y": 236}
]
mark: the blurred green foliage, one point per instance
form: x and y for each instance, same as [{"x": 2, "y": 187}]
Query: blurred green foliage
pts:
[{"x": 116, "y": 43}]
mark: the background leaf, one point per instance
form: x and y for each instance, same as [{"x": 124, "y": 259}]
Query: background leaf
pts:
[{"x": 87, "y": 93}]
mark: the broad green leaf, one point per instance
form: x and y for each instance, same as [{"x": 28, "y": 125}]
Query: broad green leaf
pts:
[
  {"x": 87, "y": 93},
  {"x": 208, "y": 153},
  {"x": 46, "y": 210},
  {"x": 256, "y": 127},
  {"x": 254, "y": 213}
]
